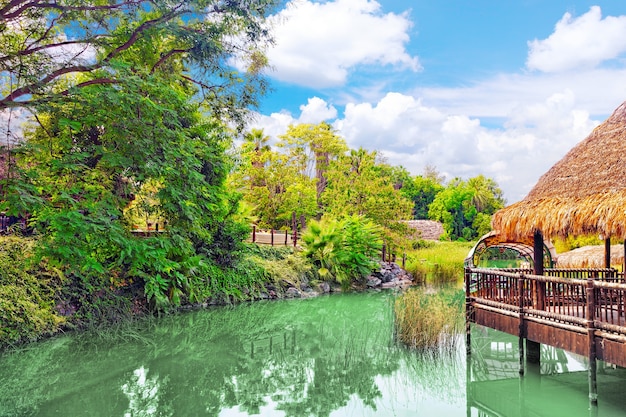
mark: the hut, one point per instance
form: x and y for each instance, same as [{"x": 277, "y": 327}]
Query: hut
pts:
[
  {"x": 582, "y": 311},
  {"x": 582, "y": 194}
]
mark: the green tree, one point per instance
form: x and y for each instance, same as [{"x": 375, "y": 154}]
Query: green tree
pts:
[
  {"x": 465, "y": 207},
  {"x": 312, "y": 148},
  {"x": 360, "y": 185},
  {"x": 129, "y": 119},
  {"x": 271, "y": 182}
]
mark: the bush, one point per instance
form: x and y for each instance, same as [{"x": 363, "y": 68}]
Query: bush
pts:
[
  {"x": 346, "y": 250},
  {"x": 27, "y": 294}
]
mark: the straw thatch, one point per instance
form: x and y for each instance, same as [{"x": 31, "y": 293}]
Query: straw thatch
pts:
[
  {"x": 590, "y": 257},
  {"x": 584, "y": 193}
]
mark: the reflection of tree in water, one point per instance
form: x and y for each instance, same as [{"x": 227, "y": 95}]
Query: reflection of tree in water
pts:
[
  {"x": 323, "y": 352},
  {"x": 143, "y": 394}
]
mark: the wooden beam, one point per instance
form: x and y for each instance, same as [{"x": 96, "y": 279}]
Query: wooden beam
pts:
[{"x": 607, "y": 252}]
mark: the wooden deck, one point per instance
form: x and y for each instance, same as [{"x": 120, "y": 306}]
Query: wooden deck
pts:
[{"x": 581, "y": 311}]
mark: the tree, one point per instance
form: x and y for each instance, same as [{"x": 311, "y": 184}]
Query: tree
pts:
[
  {"x": 44, "y": 45},
  {"x": 359, "y": 185},
  {"x": 129, "y": 119},
  {"x": 272, "y": 183},
  {"x": 465, "y": 207},
  {"x": 313, "y": 147}
]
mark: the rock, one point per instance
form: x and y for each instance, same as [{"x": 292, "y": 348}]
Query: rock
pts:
[
  {"x": 293, "y": 292},
  {"x": 373, "y": 282},
  {"x": 324, "y": 287}
]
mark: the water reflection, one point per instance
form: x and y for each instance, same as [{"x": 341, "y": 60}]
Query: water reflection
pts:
[
  {"x": 558, "y": 387},
  {"x": 301, "y": 358},
  {"x": 325, "y": 357}
]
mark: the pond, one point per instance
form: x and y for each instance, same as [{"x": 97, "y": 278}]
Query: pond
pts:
[{"x": 325, "y": 356}]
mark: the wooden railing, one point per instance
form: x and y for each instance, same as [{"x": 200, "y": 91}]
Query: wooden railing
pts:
[{"x": 594, "y": 295}]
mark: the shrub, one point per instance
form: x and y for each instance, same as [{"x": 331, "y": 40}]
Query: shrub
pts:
[
  {"x": 343, "y": 250},
  {"x": 27, "y": 294}
]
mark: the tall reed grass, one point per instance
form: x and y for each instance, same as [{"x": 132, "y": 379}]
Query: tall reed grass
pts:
[
  {"x": 437, "y": 262},
  {"x": 429, "y": 320}
]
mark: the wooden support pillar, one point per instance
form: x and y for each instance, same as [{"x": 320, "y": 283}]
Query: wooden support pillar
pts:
[
  {"x": 607, "y": 252},
  {"x": 253, "y": 233},
  {"x": 522, "y": 326},
  {"x": 624, "y": 265},
  {"x": 468, "y": 313},
  {"x": 533, "y": 352},
  {"x": 591, "y": 340},
  {"x": 539, "y": 296}
]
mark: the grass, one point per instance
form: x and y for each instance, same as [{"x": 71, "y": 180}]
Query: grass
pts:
[
  {"x": 426, "y": 320},
  {"x": 438, "y": 262}
]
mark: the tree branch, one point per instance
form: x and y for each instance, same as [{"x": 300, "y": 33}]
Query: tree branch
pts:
[
  {"x": 166, "y": 57},
  {"x": 9, "y": 100}
]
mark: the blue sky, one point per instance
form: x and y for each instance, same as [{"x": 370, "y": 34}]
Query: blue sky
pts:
[{"x": 500, "y": 88}]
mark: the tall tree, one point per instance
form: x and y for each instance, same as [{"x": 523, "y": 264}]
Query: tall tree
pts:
[
  {"x": 360, "y": 185},
  {"x": 465, "y": 207},
  {"x": 313, "y": 147}
]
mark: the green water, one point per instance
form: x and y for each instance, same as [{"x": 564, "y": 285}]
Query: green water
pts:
[{"x": 327, "y": 356}]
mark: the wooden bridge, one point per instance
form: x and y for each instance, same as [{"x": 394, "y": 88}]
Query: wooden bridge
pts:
[{"x": 578, "y": 310}]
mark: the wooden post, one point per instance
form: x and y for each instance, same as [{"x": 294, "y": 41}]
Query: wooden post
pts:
[
  {"x": 522, "y": 330},
  {"x": 253, "y": 233},
  {"x": 624, "y": 265},
  {"x": 540, "y": 287},
  {"x": 272, "y": 237},
  {"x": 295, "y": 237},
  {"x": 607, "y": 252},
  {"x": 468, "y": 312},
  {"x": 384, "y": 252},
  {"x": 533, "y": 349},
  {"x": 403, "y": 260},
  {"x": 286, "y": 235},
  {"x": 591, "y": 341}
]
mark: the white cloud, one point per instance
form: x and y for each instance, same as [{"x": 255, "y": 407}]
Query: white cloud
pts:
[
  {"x": 316, "y": 110},
  {"x": 585, "y": 41},
  {"x": 599, "y": 91},
  {"x": 318, "y": 44}
]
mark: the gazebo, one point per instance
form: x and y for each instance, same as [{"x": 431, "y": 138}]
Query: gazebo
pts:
[
  {"x": 582, "y": 311},
  {"x": 582, "y": 194}
]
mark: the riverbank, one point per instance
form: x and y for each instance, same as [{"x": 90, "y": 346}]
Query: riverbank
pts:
[{"x": 38, "y": 301}]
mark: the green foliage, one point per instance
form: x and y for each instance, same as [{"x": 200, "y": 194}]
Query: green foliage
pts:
[
  {"x": 573, "y": 242},
  {"x": 27, "y": 294},
  {"x": 465, "y": 207},
  {"x": 343, "y": 250},
  {"x": 429, "y": 320},
  {"x": 86, "y": 160},
  {"x": 422, "y": 191},
  {"x": 193, "y": 40}
]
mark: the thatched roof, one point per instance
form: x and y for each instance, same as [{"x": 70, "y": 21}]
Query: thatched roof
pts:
[
  {"x": 584, "y": 193},
  {"x": 590, "y": 257},
  {"x": 426, "y": 229}
]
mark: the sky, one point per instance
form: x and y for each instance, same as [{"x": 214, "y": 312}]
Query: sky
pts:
[{"x": 491, "y": 87}]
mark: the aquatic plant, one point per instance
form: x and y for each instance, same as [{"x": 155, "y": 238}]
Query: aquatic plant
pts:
[{"x": 427, "y": 320}]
